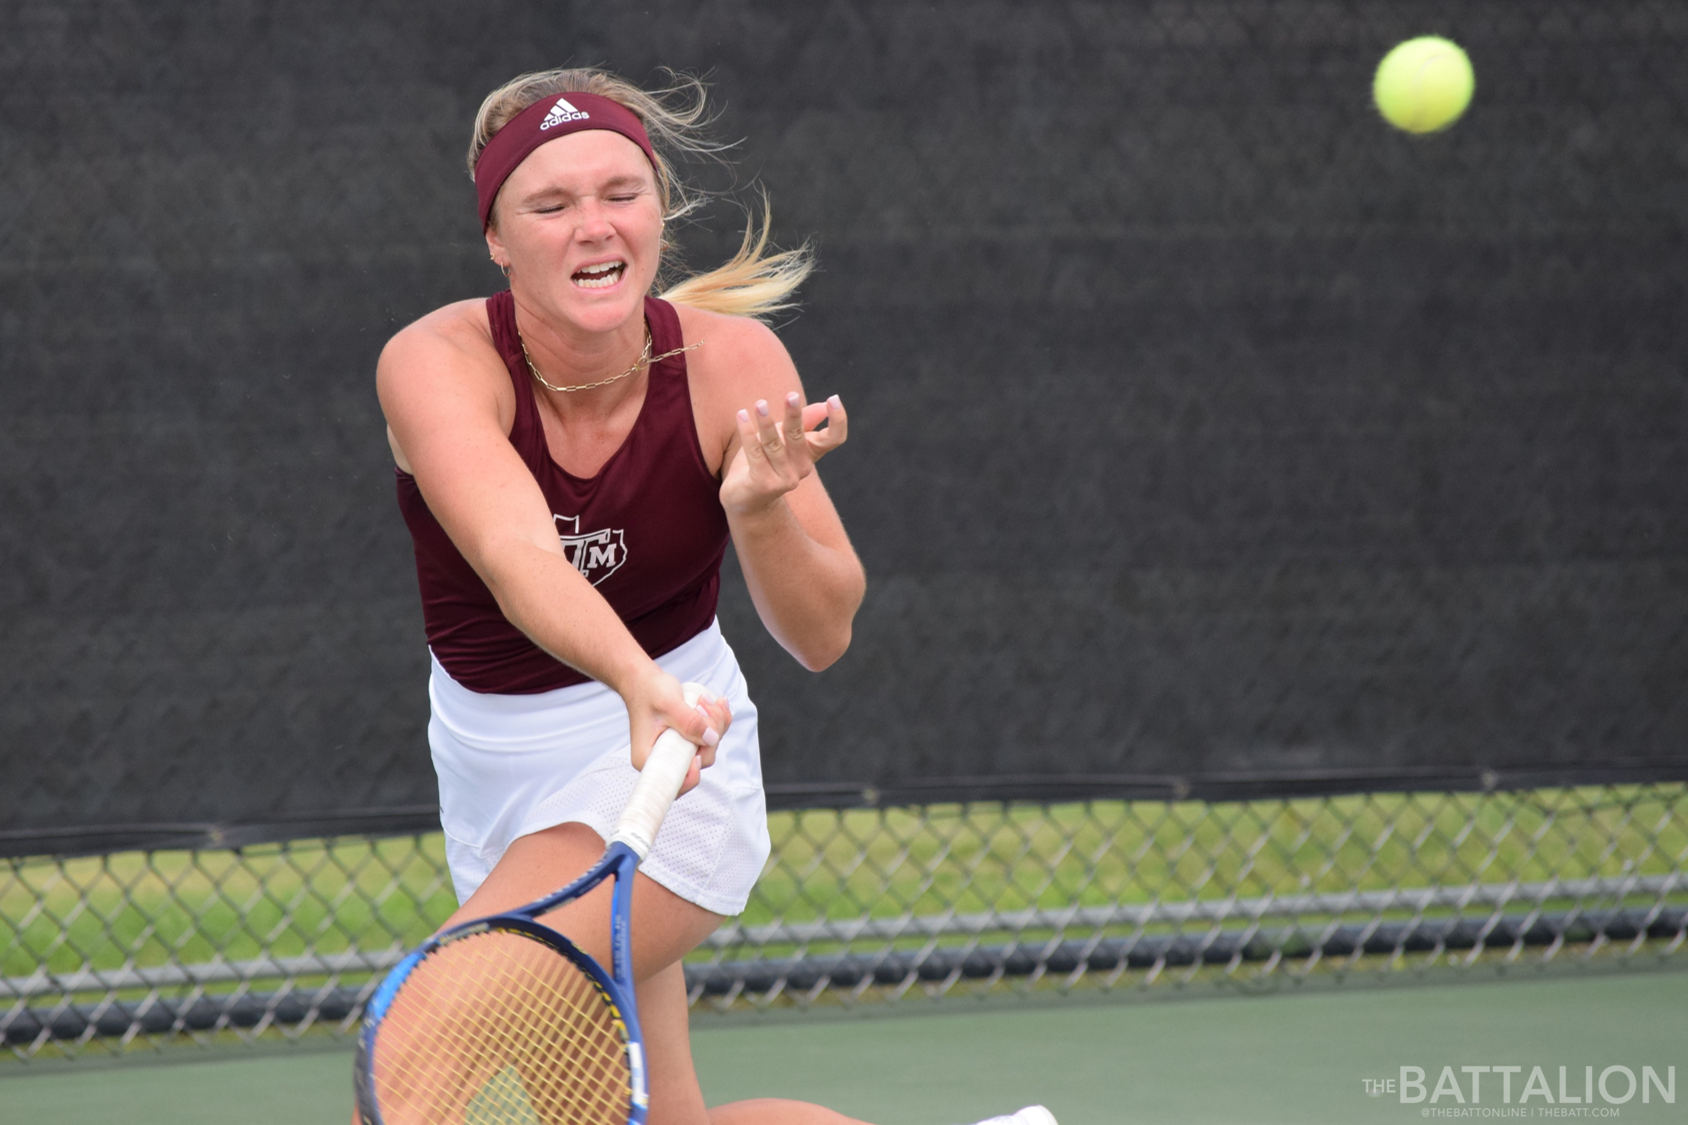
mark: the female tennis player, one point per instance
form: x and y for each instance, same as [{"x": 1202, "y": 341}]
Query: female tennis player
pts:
[{"x": 573, "y": 456}]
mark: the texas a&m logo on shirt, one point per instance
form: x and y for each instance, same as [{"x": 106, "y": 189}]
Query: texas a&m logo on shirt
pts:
[{"x": 596, "y": 554}]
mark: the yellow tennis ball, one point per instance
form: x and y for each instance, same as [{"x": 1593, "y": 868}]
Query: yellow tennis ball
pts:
[{"x": 1424, "y": 84}]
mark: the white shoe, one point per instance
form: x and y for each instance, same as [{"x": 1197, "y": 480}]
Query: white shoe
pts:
[{"x": 1031, "y": 1115}]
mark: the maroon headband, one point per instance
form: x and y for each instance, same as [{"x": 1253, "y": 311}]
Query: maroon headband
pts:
[{"x": 553, "y": 116}]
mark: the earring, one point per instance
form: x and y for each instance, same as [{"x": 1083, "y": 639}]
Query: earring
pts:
[{"x": 503, "y": 267}]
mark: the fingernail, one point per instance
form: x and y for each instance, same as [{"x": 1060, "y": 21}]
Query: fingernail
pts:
[
  {"x": 835, "y": 401},
  {"x": 792, "y": 399},
  {"x": 762, "y": 407},
  {"x": 744, "y": 416},
  {"x": 710, "y": 738}
]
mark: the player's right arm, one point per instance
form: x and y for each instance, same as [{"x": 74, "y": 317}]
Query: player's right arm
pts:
[{"x": 449, "y": 408}]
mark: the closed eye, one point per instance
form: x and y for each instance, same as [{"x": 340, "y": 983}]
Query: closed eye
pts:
[{"x": 544, "y": 206}]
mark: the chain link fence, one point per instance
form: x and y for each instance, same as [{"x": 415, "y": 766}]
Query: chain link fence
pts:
[{"x": 139, "y": 950}]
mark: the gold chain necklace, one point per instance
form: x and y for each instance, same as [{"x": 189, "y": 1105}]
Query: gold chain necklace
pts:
[{"x": 645, "y": 359}]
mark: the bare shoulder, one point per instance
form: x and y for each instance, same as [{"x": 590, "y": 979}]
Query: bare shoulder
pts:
[
  {"x": 739, "y": 357},
  {"x": 458, "y": 331},
  {"x": 440, "y": 374}
]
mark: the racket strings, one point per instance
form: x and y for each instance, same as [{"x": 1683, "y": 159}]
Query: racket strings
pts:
[{"x": 498, "y": 1028}]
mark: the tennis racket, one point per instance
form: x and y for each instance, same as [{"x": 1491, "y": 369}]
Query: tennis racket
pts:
[{"x": 502, "y": 1020}]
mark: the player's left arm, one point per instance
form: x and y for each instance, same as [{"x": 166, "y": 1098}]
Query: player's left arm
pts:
[{"x": 803, "y": 575}]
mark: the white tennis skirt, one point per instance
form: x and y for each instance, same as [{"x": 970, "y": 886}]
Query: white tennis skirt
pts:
[{"x": 513, "y": 764}]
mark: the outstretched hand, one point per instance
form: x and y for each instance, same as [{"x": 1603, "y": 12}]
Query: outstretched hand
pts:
[{"x": 775, "y": 453}]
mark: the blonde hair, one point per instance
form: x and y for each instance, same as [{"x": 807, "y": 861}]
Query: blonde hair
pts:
[{"x": 754, "y": 282}]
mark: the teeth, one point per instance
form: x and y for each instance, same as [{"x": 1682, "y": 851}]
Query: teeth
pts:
[{"x": 599, "y": 276}]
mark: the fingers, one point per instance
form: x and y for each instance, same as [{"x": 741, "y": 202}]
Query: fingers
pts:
[
  {"x": 773, "y": 466},
  {"x": 705, "y": 723},
  {"x": 694, "y": 774},
  {"x": 749, "y": 440},
  {"x": 719, "y": 712},
  {"x": 700, "y": 730},
  {"x": 660, "y": 703},
  {"x": 759, "y": 434},
  {"x": 768, "y": 431},
  {"x": 822, "y": 442},
  {"x": 778, "y": 445},
  {"x": 814, "y": 414},
  {"x": 692, "y": 720},
  {"x": 718, "y": 716},
  {"x": 793, "y": 435}
]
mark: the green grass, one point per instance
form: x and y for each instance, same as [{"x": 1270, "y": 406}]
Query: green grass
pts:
[
  {"x": 148, "y": 908},
  {"x": 984, "y": 857},
  {"x": 328, "y": 896}
]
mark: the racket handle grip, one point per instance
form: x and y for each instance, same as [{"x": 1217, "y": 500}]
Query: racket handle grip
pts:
[{"x": 659, "y": 783}]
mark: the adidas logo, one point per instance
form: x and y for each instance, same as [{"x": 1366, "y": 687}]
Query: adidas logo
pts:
[{"x": 560, "y": 113}]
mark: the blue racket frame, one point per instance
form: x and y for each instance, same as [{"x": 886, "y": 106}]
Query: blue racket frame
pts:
[{"x": 619, "y": 862}]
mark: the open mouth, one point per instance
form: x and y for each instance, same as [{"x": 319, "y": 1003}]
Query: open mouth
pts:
[{"x": 599, "y": 276}]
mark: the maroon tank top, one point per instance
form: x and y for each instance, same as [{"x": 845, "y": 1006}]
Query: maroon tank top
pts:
[{"x": 648, "y": 531}]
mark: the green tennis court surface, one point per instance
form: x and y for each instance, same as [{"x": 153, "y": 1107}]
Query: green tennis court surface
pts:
[{"x": 1223, "y": 1059}]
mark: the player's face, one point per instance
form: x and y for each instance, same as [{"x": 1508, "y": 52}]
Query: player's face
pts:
[{"x": 580, "y": 223}]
